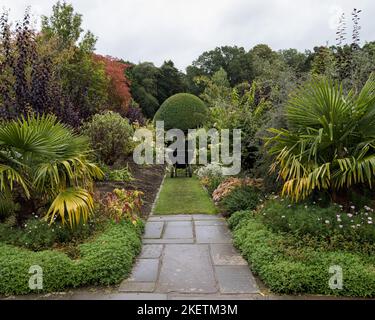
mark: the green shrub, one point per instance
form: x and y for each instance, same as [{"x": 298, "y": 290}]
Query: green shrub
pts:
[
  {"x": 210, "y": 176},
  {"x": 7, "y": 206},
  {"x": 241, "y": 198},
  {"x": 328, "y": 223},
  {"x": 104, "y": 260},
  {"x": 182, "y": 111},
  {"x": 238, "y": 217},
  {"x": 110, "y": 135},
  {"x": 288, "y": 268},
  {"x": 36, "y": 234},
  {"x": 117, "y": 175}
]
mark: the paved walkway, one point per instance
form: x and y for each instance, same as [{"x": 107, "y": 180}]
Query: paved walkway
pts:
[{"x": 189, "y": 256}]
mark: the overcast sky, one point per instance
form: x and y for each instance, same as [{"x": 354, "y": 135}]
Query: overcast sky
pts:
[{"x": 158, "y": 30}]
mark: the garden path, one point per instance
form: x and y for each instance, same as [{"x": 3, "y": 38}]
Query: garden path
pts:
[{"x": 189, "y": 257}]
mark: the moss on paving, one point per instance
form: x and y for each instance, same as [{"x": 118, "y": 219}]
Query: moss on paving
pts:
[{"x": 183, "y": 195}]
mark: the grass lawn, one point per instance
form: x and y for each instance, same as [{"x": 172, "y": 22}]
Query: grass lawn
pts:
[{"x": 183, "y": 195}]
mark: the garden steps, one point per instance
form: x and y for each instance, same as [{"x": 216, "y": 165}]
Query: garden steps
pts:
[{"x": 189, "y": 256}]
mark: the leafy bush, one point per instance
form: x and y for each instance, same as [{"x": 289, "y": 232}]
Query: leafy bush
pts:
[
  {"x": 122, "y": 204},
  {"x": 7, "y": 206},
  {"x": 330, "y": 143},
  {"x": 211, "y": 183},
  {"x": 36, "y": 234},
  {"x": 117, "y": 175},
  {"x": 210, "y": 176},
  {"x": 228, "y": 185},
  {"x": 110, "y": 135},
  {"x": 289, "y": 269},
  {"x": 182, "y": 111},
  {"x": 238, "y": 217},
  {"x": 210, "y": 170},
  {"x": 332, "y": 224},
  {"x": 106, "y": 260},
  {"x": 134, "y": 114},
  {"x": 241, "y": 198}
]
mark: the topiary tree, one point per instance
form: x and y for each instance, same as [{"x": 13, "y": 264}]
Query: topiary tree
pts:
[{"x": 182, "y": 111}]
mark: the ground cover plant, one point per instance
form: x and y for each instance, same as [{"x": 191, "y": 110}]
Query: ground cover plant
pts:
[
  {"x": 104, "y": 260},
  {"x": 290, "y": 266}
]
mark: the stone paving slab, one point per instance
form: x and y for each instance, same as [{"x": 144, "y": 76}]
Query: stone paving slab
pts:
[
  {"x": 133, "y": 286},
  {"x": 168, "y": 241},
  {"x": 153, "y": 230},
  {"x": 215, "y": 297},
  {"x": 226, "y": 254},
  {"x": 212, "y": 234},
  {"x": 140, "y": 296},
  {"x": 186, "y": 268},
  {"x": 178, "y": 230},
  {"x": 145, "y": 270},
  {"x": 151, "y": 251},
  {"x": 210, "y": 223},
  {"x": 180, "y": 217},
  {"x": 206, "y": 217},
  {"x": 236, "y": 279}
]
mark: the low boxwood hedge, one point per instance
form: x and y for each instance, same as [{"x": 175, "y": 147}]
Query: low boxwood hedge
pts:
[
  {"x": 290, "y": 269},
  {"x": 105, "y": 260}
]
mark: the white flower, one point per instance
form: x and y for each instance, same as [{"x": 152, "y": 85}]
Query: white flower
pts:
[
  {"x": 340, "y": 225},
  {"x": 369, "y": 218},
  {"x": 350, "y": 215},
  {"x": 369, "y": 222},
  {"x": 352, "y": 207},
  {"x": 282, "y": 216},
  {"x": 358, "y": 225},
  {"x": 353, "y": 226},
  {"x": 338, "y": 220},
  {"x": 327, "y": 221}
]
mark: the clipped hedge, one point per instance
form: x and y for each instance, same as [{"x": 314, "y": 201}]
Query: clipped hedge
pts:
[
  {"x": 182, "y": 111},
  {"x": 106, "y": 260},
  {"x": 299, "y": 270}
]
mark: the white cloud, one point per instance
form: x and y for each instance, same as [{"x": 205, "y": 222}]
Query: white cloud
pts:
[{"x": 157, "y": 30}]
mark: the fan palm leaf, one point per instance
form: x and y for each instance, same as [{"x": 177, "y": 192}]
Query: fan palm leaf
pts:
[
  {"x": 330, "y": 143},
  {"x": 47, "y": 159}
]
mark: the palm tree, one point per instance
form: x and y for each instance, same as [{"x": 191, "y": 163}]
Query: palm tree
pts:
[
  {"x": 330, "y": 143},
  {"x": 48, "y": 163}
]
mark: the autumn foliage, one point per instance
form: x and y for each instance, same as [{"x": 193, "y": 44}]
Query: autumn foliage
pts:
[{"x": 118, "y": 92}]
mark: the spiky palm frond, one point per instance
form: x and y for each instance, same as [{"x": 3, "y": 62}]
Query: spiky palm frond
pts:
[
  {"x": 72, "y": 204},
  {"x": 330, "y": 143},
  {"x": 47, "y": 158}
]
